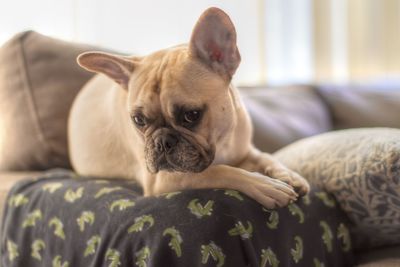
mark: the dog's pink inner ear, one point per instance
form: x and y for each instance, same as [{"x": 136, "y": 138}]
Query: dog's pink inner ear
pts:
[
  {"x": 116, "y": 67},
  {"x": 215, "y": 52},
  {"x": 214, "y": 42}
]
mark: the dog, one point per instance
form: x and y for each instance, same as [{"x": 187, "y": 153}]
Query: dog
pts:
[{"x": 172, "y": 120}]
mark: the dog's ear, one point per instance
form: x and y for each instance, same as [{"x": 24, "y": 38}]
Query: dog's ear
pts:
[
  {"x": 214, "y": 42},
  {"x": 116, "y": 67}
]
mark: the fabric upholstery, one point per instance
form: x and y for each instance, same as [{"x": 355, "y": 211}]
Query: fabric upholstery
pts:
[
  {"x": 92, "y": 222},
  {"x": 361, "y": 168},
  {"x": 282, "y": 115},
  {"x": 39, "y": 79},
  {"x": 386, "y": 262},
  {"x": 8, "y": 180},
  {"x": 379, "y": 257}
]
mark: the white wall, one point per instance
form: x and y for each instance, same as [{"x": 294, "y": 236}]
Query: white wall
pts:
[
  {"x": 288, "y": 41},
  {"x": 51, "y": 17},
  {"x": 281, "y": 41},
  {"x": 134, "y": 26},
  {"x": 274, "y": 36}
]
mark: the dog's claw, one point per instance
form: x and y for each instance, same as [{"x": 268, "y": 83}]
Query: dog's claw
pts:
[{"x": 293, "y": 179}]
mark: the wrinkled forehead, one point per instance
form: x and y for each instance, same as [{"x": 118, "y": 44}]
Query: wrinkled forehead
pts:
[{"x": 170, "y": 78}]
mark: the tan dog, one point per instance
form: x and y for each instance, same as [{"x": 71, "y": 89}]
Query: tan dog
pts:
[{"x": 172, "y": 121}]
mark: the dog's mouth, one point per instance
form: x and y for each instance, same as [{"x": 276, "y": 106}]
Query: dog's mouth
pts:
[{"x": 183, "y": 156}]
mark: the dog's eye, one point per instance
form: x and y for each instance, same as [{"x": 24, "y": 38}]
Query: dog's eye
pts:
[
  {"x": 190, "y": 117},
  {"x": 139, "y": 120}
]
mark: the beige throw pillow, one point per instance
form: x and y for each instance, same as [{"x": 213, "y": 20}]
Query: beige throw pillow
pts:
[{"x": 361, "y": 168}]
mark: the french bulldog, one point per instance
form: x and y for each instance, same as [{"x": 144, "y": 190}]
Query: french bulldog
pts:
[{"x": 172, "y": 120}]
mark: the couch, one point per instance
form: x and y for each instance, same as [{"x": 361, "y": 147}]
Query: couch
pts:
[{"x": 45, "y": 79}]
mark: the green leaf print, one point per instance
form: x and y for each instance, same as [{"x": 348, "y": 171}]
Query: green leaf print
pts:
[
  {"x": 37, "y": 246},
  {"x": 58, "y": 227},
  {"x": 140, "y": 223},
  {"x": 12, "y": 250},
  {"x": 326, "y": 199},
  {"x": 327, "y": 235},
  {"x": 234, "y": 193},
  {"x": 142, "y": 257},
  {"x": 273, "y": 219},
  {"x": 57, "y": 262},
  {"x": 214, "y": 251},
  {"x": 176, "y": 240},
  {"x": 86, "y": 217},
  {"x": 344, "y": 235},
  {"x": 52, "y": 187},
  {"x": 306, "y": 199},
  {"x": 199, "y": 210},
  {"x": 32, "y": 218},
  {"x": 296, "y": 211},
  {"x": 101, "y": 182},
  {"x": 17, "y": 200},
  {"x": 106, "y": 190},
  {"x": 114, "y": 257},
  {"x": 91, "y": 245},
  {"x": 172, "y": 194},
  {"x": 121, "y": 204},
  {"x": 71, "y": 195},
  {"x": 240, "y": 229},
  {"x": 318, "y": 263},
  {"x": 297, "y": 252},
  {"x": 268, "y": 256}
]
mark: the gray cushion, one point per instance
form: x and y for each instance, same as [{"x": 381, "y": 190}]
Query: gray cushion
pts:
[
  {"x": 363, "y": 106},
  {"x": 361, "y": 168},
  {"x": 39, "y": 79},
  {"x": 282, "y": 115}
]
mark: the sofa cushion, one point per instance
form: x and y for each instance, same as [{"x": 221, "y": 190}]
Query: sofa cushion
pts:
[
  {"x": 361, "y": 168},
  {"x": 99, "y": 222},
  {"x": 8, "y": 180},
  {"x": 39, "y": 79},
  {"x": 355, "y": 106},
  {"x": 379, "y": 257},
  {"x": 282, "y": 115}
]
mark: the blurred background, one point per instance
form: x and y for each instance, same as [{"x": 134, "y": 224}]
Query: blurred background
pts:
[{"x": 281, "y": 41}]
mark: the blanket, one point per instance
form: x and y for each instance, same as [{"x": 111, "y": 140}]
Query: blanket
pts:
[{"x": 62, "y": 220}]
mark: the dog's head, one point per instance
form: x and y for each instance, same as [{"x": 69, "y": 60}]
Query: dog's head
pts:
[{"x": 179, "y": 98}]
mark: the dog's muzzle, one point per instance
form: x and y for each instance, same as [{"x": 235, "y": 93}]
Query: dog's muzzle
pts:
[
  {"x": 165, "y": 143},
  {"x": 168, "y": 150}
]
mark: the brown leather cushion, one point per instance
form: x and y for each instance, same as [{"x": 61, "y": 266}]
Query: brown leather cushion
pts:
[
  {"x": 354, "y": 106},
  {"x": 39, "y": 79},
  {"x": 282, "y": 115}
]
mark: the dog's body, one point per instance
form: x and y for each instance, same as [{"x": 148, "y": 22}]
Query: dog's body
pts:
[{"x": 177, "y": 122}]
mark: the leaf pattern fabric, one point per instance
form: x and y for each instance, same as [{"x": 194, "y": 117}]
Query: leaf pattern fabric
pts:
[{"x": 58, "y": 221}]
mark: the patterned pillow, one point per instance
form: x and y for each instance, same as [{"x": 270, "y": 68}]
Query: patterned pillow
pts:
[
  {"x": 361, "y": 168},
  {"x": 59, "y": 219}
]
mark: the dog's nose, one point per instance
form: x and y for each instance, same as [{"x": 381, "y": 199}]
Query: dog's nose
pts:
[{"x": 165, "y": 143}]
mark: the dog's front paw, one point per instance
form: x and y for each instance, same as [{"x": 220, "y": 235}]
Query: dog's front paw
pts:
[
  {"x": 269, "y": 192},
  {"x": 300, "y": 185}
]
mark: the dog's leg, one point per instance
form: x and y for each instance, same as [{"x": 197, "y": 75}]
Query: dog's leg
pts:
[
  {"x": 257, "y": 161},
  {"x": 269, "y": 192}
]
